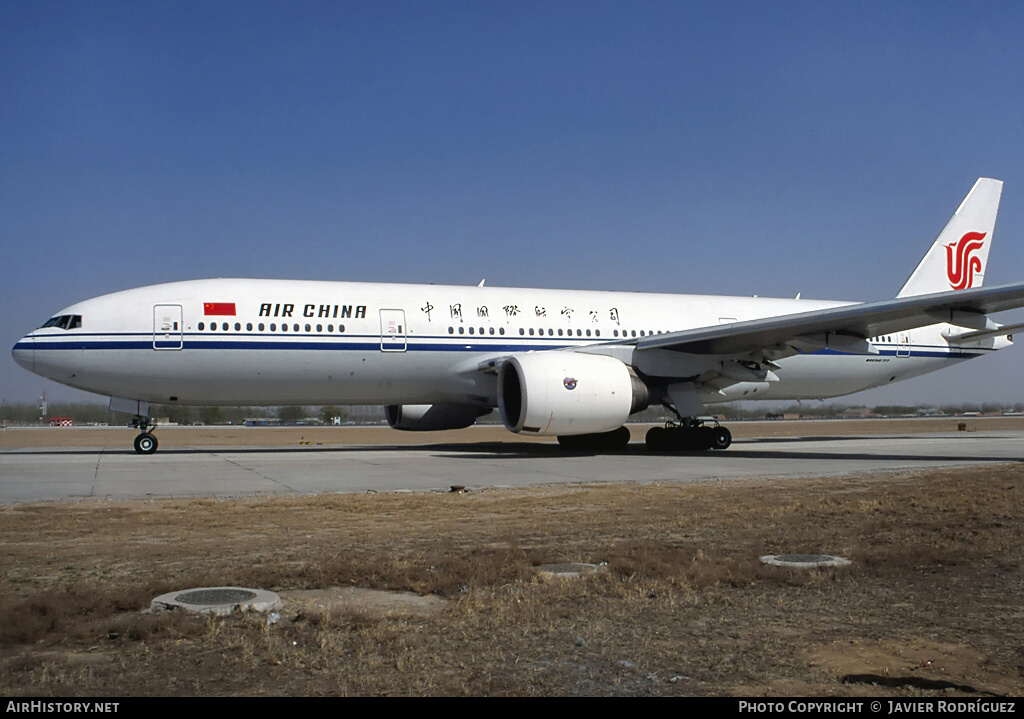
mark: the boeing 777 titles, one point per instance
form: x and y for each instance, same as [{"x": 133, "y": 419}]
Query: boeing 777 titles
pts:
[{"x": 563, "y": 363}]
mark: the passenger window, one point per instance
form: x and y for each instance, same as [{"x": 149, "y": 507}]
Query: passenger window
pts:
[
  {"x": 202, "y": 326},
  {"x": 273, "y": 327}
]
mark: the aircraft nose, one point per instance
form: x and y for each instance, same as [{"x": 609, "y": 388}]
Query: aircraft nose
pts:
[{"x": 24, "y": 353}]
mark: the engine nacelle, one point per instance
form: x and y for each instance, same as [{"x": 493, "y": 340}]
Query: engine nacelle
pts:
[
  {"x": 432, "y": 417},
  {"x": 566, "y": 393}
]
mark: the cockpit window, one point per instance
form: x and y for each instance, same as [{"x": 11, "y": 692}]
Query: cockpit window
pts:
[{"x": 64, "y": 322}]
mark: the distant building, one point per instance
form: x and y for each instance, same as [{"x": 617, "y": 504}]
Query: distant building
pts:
[{"x": 858, "y": 412}]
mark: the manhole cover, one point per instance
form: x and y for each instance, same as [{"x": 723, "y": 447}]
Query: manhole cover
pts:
[
  {"x": 216, "y": 596},
  {"x": 804, "y": 561},
  {"x": 218, "y": 600}
]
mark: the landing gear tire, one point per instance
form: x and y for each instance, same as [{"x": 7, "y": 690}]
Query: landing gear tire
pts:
[
  {"x": 146, "y": 443},
  {"x": 703, "y": 439},
  {"x": 722, "y": 438},
  {"x": 658, "y": 439},
  {"x": 613, "y": 441},
  {"x": 692, "y": 438}
]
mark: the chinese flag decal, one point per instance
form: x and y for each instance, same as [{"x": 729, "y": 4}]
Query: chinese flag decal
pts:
[{"x": 219, "y": 308}]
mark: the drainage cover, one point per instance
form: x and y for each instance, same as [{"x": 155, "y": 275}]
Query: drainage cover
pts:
[
  {"x": 217, "y": 600},
  {"x": 568, "y": 569},
  {"x": 804, "y": 561}
]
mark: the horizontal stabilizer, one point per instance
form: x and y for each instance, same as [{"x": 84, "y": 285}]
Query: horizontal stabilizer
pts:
[{"x": 969, "y": 337}]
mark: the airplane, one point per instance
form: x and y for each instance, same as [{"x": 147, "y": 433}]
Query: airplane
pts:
[{"x": 565, "y": 363}]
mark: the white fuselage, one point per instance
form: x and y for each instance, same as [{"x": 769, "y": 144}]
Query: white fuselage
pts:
[{"x": 269, "y": 342}]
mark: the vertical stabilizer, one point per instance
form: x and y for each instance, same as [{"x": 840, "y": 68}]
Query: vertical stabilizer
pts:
[{"x": 958, "y": 258}]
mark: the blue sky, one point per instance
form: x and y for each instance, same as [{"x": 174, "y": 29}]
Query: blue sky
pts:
[{"x": 734, "y": 148}]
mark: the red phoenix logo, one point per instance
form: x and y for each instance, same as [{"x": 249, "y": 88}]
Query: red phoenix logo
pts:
[{"x": 962, "y": 261}]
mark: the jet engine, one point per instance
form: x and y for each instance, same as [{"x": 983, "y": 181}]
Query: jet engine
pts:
[
  {"x": 431, "y": 417},
  {"x": 567, "y": 393}
]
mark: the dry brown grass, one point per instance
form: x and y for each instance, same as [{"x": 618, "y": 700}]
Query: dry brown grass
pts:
[{"x": 683, "y": 605}]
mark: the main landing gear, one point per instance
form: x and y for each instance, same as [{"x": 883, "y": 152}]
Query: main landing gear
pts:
[
  {"x": 690, "y": 434},
  {"x": 145, "y": 443}
]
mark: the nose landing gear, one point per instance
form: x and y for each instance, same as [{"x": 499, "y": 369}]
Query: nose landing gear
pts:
[{"x": 146, "y": 442}]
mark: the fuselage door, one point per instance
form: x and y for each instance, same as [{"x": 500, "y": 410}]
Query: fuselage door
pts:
[
  {"x": 903, "y": 344},
  {"x": 392, "y": 331},
  {"x": 167, "y": 327}
]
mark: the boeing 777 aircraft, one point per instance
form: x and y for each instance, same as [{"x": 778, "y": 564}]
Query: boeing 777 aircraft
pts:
[{"x": 563, "y": 363}]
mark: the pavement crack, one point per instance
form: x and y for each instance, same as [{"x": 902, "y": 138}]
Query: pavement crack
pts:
[
  {"x": 254, "y": 471},
  {"x": 96, "y": 472}
]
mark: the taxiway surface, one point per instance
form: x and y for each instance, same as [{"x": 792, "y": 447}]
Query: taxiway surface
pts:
[{"x": 35, "y": 474}]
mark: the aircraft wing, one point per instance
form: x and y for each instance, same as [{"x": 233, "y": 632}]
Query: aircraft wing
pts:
[{"x": 965, "y": 308}]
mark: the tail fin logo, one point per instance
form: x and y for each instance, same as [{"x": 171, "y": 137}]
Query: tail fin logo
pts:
[{"x": 962, "y": 260}]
